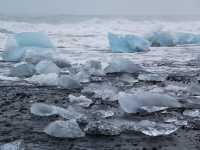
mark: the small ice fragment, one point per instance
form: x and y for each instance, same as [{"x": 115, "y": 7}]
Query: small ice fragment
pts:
[
  {"x": 50, "y": 79},
  {"x": 194, "y": 89},
  {"x": 132, "y": 103},
  {"x": 68, "y": 82},
  {"x": 177, "y": 122},
  {"x": 192, "y": 113},
  {"x": 155, "y": 129},
  {"x": 46, "y": 66},
  {"x": 81, "y": 100},
  {"x": 151, "y": 77},
  {"x": 8, "y": 78},
  {"x": 33, "y": 39},
  {"x": 127, "y": 43},
  {"x": 104, "y": 113},
  {"x": 161, "y": 38},
  {"x": 82, "y": 77},
  {"x": 64, "y": 129},
  {"x": 22, "y": 70},
  {"x": 16, "y": 145},
  {"x": 127, "y": 78},
  {"x": 41, "y": 109},
  {"x": 123, "y": 66},
  {"x": 102, "y": 128}
]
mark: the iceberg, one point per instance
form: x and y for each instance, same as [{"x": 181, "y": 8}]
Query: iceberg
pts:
[
  {"x": 182, "y": 38},
  {"x": 22, "y": 70},
  {"x": 17, "y": 44},
  {"x": 133, "y": 103},
  {"x": 123, "y": 66},
  {"x": 46, "y": 67},
  {"x": 161, "y": 38},
  {"x": 64, "y": 129},
  {"x": 127, "y": 43}
]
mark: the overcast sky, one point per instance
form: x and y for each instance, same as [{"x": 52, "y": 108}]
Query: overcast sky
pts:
[{"x": 101, "y": 7}]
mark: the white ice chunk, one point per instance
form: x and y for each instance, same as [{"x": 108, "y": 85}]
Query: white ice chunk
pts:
[
  {"x": 192, "y": 113},
  {"x": 44, "y": 110},
  {"x": 123, "y": 66},
  {"x": 68, "y": 82},
  {"x": 81, "y": 100},
  {"x": 46, "y": 67},
  {"x": 16, "y": 145},
  {"x": 151, "y": 77},
  {"x": 132, "y": 103},
  {"x": 64, "y": 129},
  {"x": 22, "y": 70},
  {"x": 50, "y": 79},
  {"x": 127, "y": 43}
]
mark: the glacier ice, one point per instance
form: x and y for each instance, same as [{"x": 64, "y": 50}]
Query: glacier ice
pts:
[
  {"x": 22, "y": 70},
  {"x": 17, "y": 44},
  {"x": 47, "y": 66},
  {"x": 81, "y": 100},
  {"x": 35, "y": 55},
  {"x": 41, "y": 109},
  {"x": 161, "y": 38},
  {"x": 33, "y": 39},
  {"x": 192, "y": 113},
  {"x": 182, "y": 38},
  {"x": 127, "y": 43},
  {"x": 102, "y": 128},
  {"x": 151, "y": 128},
  {"x": 16, "y": 145},
  {"x": 132, "y": 103},
  {"x": 64, "y": 129},
  {"x": 123, "y": 66},
  {"x": 44, "y": 110},
  {"x": 68, "y": 82},
  {"x": 50, "y": 79}
]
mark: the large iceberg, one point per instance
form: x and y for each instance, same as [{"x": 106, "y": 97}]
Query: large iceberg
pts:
[
  {"x": 133, "y": 103},
  {"x": 161, "y": 38},
  {"x": 17, "y": 44},
  {"x": 127, "y": 43}
]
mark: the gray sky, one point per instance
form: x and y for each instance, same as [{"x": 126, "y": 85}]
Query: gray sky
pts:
[{"x": 113, "y": 7}]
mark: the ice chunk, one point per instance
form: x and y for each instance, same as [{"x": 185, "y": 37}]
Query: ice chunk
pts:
[
  {"x": 81, "y": 100},
  {"x": 68, "y": 82},
  {"x": 16, "y": 145},
  {"x": 105, "y": 91},
  {"x": 46, "y": 67},
  {"x": 44, "y": 110},
  {"x": 192, "y": 113},
  {"x": 22, "y": 70},
  {"x": 50, "y": 79},
  {"x": 33, "y": 39},
  {"x": 102, "y": 128},
  {"x": 155, "y": 129},
  {"x": 64, "y": 129},
  {"x": 151, "y": 109},
  {"x": 104, "y": 113},
  {"x": 17, "y": 44},
  {"x": 35, "y": 55},
  {"x": 123, "y": 66},
  {"x": 14, "y": 55},
  {"x": 182, "y": 38},
  {"x": 132, "y": 103},
  {"x": 194, "y": 89},
  {"x": 151, "y": 77},
  {"x": 161, "y": 38},
  {"x": 127, "y": 43}
]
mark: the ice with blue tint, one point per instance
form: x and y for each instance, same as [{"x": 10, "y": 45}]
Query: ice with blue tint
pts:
[
  {"x": 33, "y": 39},
  {"x": 182, "y": 38},
  {"x": 46, "y": 67},
  {"x": 17, "y": 44},
  {"x": 127, "y": 43},
  {"x": 16, "y": 145},
  {"x": 161, "y": 38},
  {"x": 132, "y": 103}
]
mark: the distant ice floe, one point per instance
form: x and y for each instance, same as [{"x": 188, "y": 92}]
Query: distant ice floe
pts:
[{"x": 127, "y": 43}]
